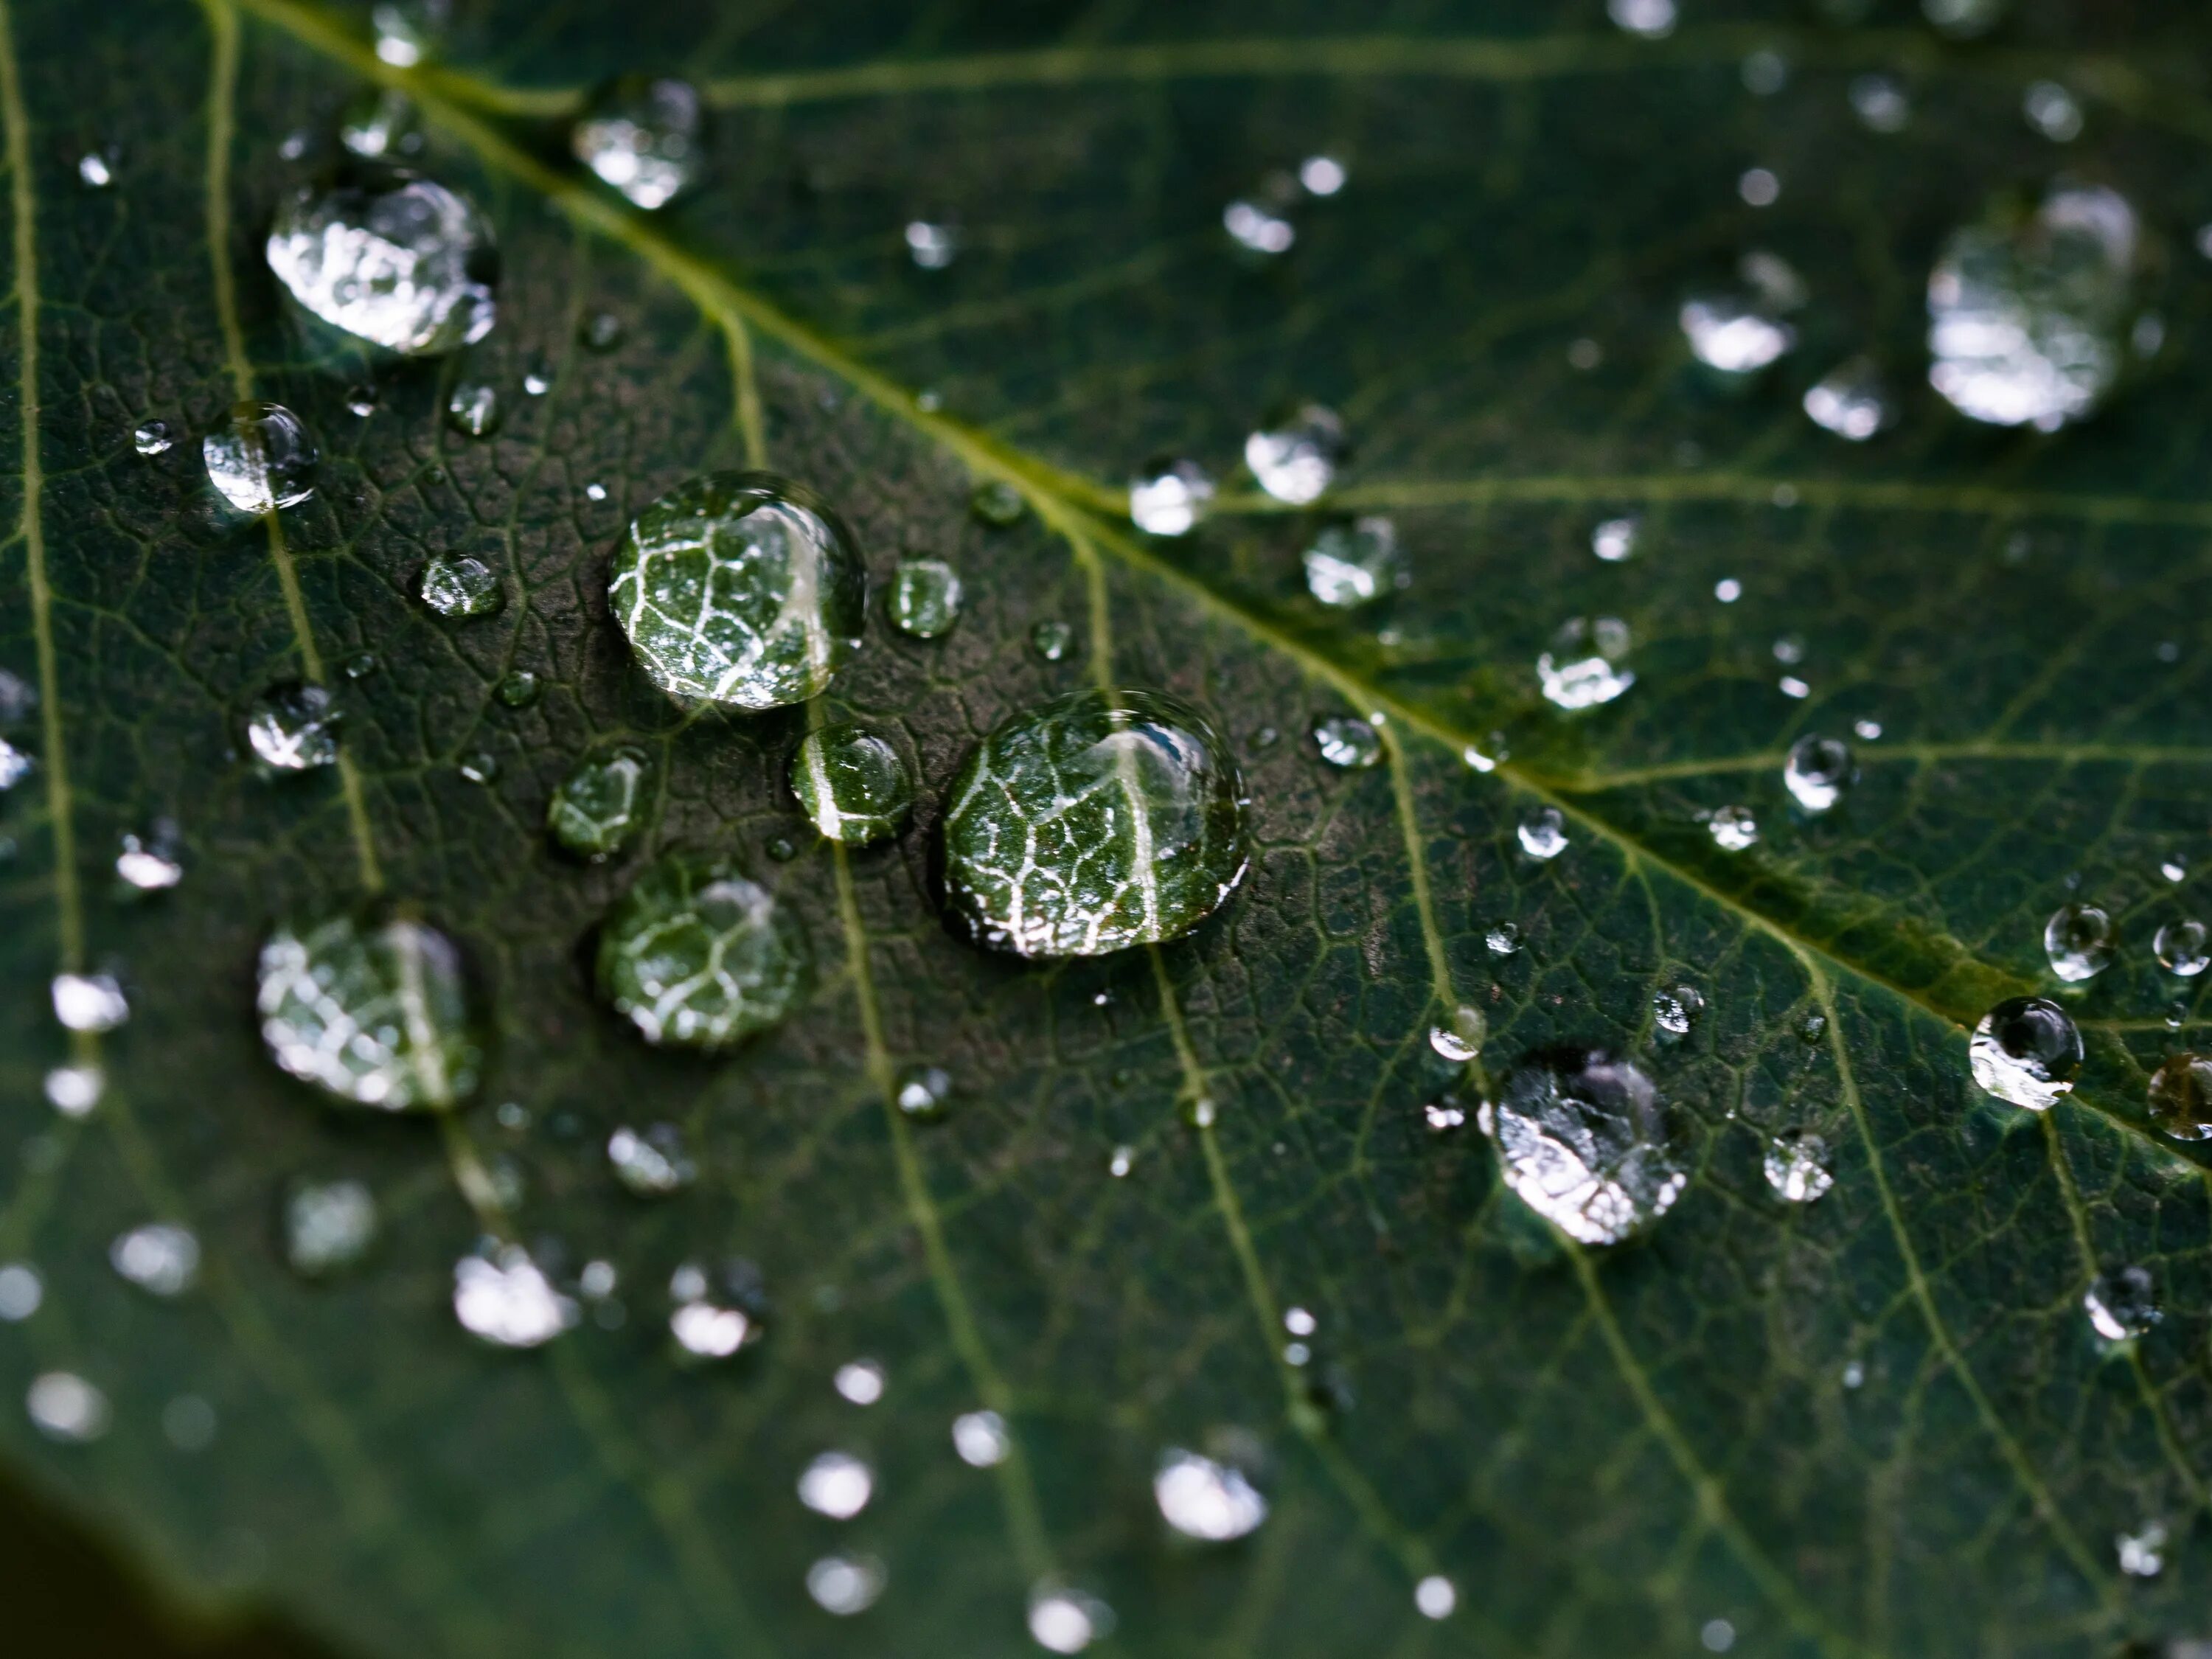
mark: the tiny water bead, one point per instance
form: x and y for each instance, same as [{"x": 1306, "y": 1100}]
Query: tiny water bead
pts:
[
  {"x": 1851, "y": 400},
  {"x": 1169, "y": 496},
  {"x": 1212, "y": 1502},
  {"x": 1733, "y": 829},
  {"x": 931, "y": 245},
  {"x": 642, "y": 135},
  {"x": 74, "y": 1090},
  {"x": 704, "y": 1324},
  {"x": 1096, "y": 821},
  {"x": 504, "y": 1297},
  {"x": 1615, "y": 540},
  {"x": 374, "y": 1011},
  {"x": 741, "y": 588},
  {"x": 1050, "y": 639},
  {"x": 1347, "y": 742},
  {"x": 697, "y": 955},
  {"x": 2078, "y": 940},
  {"x": 1817, "y": 771},
  {"x": 455, "y": 585},
  {"x": 88, "y": 1002},
  {"x": 159, "y": 1258},
  {"x": 473, "y": 409},
  {"x": 653, "y": 1164},
  {"x": 1296, "y": 455},
  {"x": 997, "y": 503},
  {"x": 1436, "y": 1596},
  {"x": 1543, "y": 834},
  {"x": 1798, "y": 1167},
  {"x": 860, "y": 1380},
  {"x": 2180, "y": 947},
  {"x": 330, "y": 1227},
  {"x": 391, "y": 257},
  {"x": 837, "y": 1484},
  {"x": 479, "y": 766},
  {"x": 1673, "y": 1012},
  {"x": 2025, "y": 1051},
  {"x": 2123, "y": 1304},
  {"x": 149, "y": 863},
  {"x": 1582, "y": 1136},
  {"x": 2025, "y": 320},
  {"x": 600, "y": 804},
  {"x": 1352, "y": 563},
  {"x": 854, "y": 785},
  {"x": 2180, "y": 1097},
  {"x": 923, "y": 1091},
  {"x": 925, "y": 597},
  {"x": 407, "y": 31},
  {"x": 293, "y": 728},
  {"x": 151, "y": 438},
  {"x": 260, "y": 459},
  {"x": 1582, "y": 669},
  {"x": 518, "y": 688},
  {"x": 94, "y": 171},
  {"x": 1503, "y": 939},
  {"x": 22, "y": 1291}
]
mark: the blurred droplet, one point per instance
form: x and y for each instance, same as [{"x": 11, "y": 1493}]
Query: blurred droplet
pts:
[
  {"x": 642, "y": 135},
  {"x": 1169, "y": 496}
]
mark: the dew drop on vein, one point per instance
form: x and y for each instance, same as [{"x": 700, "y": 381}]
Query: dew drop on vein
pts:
[
  {"x": 260, "y": 459},
  {"x": 388, "y": 257},
  {"x": 1582, "y": 1138},
  {"x": 980, "y": 1439},
  {"x": 88, "y": 1002},
  {"x": 643, "y": 135},
  {"x": 375, "y": 1011},
  {"x": 2025, "y": 1051},
  {"x": 74, "y": 1089},
  {"x": 837, "y": 1484},
  {"x": 852, "y": 784},
  {"x": 1461, "y": 1039},
  {"x": 454, "y": 585}
]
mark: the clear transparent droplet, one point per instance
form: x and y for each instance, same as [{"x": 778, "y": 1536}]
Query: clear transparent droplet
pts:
[
  {"x": 1583, "y": 1139},
  {"x": 930, "y": 245},
  {"x": 2078, "y": 939},
  {"x": 652, "y": 1161},
  {"x": 980, "y": 1439},
  {"x": 1673, "y": 1012},
  {"x": 697, "y": 955},
  {"x": 1584, "y": 668},
  {"x": 1459, "y": 1039},
  {"x": 1733, "y": 829},
  {"x": 2122, "y": 1304},
  {"x": 600, "y": 804},
  {"x": 391, "y": 257},
  {"x": 1798, "y": 1167},
  {"x": 330, "y": 1227},
  {"x": 2180, "y": 1097},
  {"x": 151, "y": 438},
  {"x": 1350, "y": 563},
  {"x": 457, "y": 585},
  {"x": 409, "y": 31},
  {"x": 159, "y": 1258},
  {"x": 837, "y": 1484},
  {"x": 1851, "y": 400},
  {"x": 1295, "y": 456},
  {"x": 2181, "y": 948},
  {"x": 293, "y": 728},
  {"x": 2051, "y": 111},
  {"x": 473, "y": 409},
  {"x": 373, "y": 1010},
  {"x": 261, "y": 459},
  {"x": 502, "y": 1296},
  {"x": 997, "y": 503},
  {"x": 1503, "y": 939},
  {"x": 1200, "y": 1497},
  {"x": 860, "y": 1380},
  {"x": 852, "y": 784},
  {"x": 381, "y": 125},
  {"x": 923, "y": 1091},
  {"x": 1347, "y": 742},
  {"x": 1543, "y": 833},
  {"x": 644, "y": 134},
  {"x": 1817, "y": 771},
  {"x": 1169, "y": 496},
  {"x": 925, "y": 597},
  {"x": 2025, "y": 1051}
]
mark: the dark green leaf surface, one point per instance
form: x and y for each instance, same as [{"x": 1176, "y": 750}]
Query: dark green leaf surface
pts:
[{"x": 1605, "y": 1451}]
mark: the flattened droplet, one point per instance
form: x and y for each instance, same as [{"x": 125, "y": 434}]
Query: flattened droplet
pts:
[
  {"x": 391, "y": 257},
  {"x": 599, "y": 805},
  {"x": 925, "y": 598},
  {"x": 374, "y": 1011},
  {"x": 261, "y": 459},
  {"x": 2180, "y": 1097},
  {"x": 454, "y": 585},
  {"x": 1096, "y": 821},
  {"x": 1816, "y": 772},
  {"x": 1295, "y": 456},
  {"x": 1352, "y": 563},
  {"x": 740, "y": 588},
  {"x": 2078, "y": 940},
  {"x": 644, "y": 136},
  {"x": 854, "y": 785},
  {"x": 293, "y": 728},
  {"x": 1212, "y": 1502},
  {"x": 2025, "y": 1051},
  {"x": 697, "y": 955},
  {"x": 1582, "y": 1137}
]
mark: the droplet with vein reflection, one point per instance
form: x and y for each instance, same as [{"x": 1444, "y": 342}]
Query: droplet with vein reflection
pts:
[
  {"x": 373, "y": 1010},
  {"x": 260, "y": 459},
  {"x": 698, "y": 956},
  {"x": 2180, "y": 1097},
  {"x": 925, "y": 597},
  {"x": 600, "y": 804},
  {"x": 389, "y": 256},
  {"x": 854, "y": 785},
  {"x": 293, "y": 728},
  {"x": 1169, "y": 496},
  {"x": 2078, "y": 940},
  {"x": 2025, "y": 1051}
]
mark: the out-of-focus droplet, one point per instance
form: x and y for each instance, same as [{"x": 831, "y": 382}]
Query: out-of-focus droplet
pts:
[
  {"x": 1583, "y": 1139},
  {"x": 2180, "y": 1097},
  {"x": 1350, "y": 563},
  {"x": 1348, "y": 742},
  {"x": 846, "y": 1584},
  {"x": 600, "y": 804},
  {"x": 1295, "y": 455},
  {"x": 375, "y": 1012},
  {"x": 925, "y": 597},
  {"x": 502, "y": 1297},
  {"x": 1050, "y": 639},
  {"x": 837, "y": 1484},
  {"x": 89, "y": 1002},
  {"x": 1322, "y": 175},
  {"x": 981, "y": 1438},
  {"x": 2051, "y": 111},
  {"x": 22, "y": 1291},
  {"x": 407, "y": 31},
  {"x": 1615, "y": 539},
  {"x": 860, "y": 1380},
  {"x": 2122, "y": 1304},
  {"x": 1436, "y": 1596},
  {"x": 930, "y": 245},
  {"x": 1169, "y": 496},
  {"x": 1256, "y": 228},
  {"x": 159, "y": 1258},
  {"x": 997, "y": 503},
  {"x": 1733, "y": 829},
  {"x": 854, "y": 785},
  {"x": 63, "y": 1406},
  {"x": 1881, "y": 102},
  {"x": 2025, "y": 1051},
  {"x": 1543, "y": 833},
  {"x": 381, "y": 125},
  {"x": 330, "y": 1227},
  {"x": 698, "y": 956},
  {"x": 473, "y": 409},
  {"x": 149, "y": 863},
  {"x": 651, "y": 1163},
  {"x": 261, "y": 459},
  {"x": 94, "y": 172},
  {"x": 1963, "y": 19},
  {"x": 1208, "y": 1500},
  {"x": 1652, "y": 19},
  {"x": 293, "y": 728},
  {"x": 1851, "y": 400},
  {"x": 2142, "y": 1555},
  {"x": 2078, "y": 939},
  {"x": 643, "y": 135},
  {"x": 74, "y": 1089},
  {"x": 1584, "y": 667}
]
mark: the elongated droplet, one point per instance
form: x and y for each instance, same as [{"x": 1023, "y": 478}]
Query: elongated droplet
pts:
[
  {"x": 643, "y": 135},
  {"x": 374, "y": 1011},
  {"x": 391, "y": 257},
  {"x": 261, "y": 459},
  {"x": 1583, "y": 1139},
  {"x": 2025, "y": 1051},
  {"x": 697, "y": 955}
]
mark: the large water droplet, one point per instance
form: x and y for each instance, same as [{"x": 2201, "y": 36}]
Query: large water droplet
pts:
[
  {"x": 2122, "y": 1305},
  {"x": 2078, "y": 939},
  {"x": 600, "y": 804},
  {"x": 925, "y": 598},
  {"x": 741, "y": 588},
  {"x": 455, "y": 585},
  {"x": 330, "y": 1227},
  {"x": 159, "y": 1258},
  {"x": 2025, "y": 321},
  {"x": 696, "y": 954},
  {"x": 1096, "y": 821},
  {"x": 1816, "y": 772},
  {"x": 653, "y": 1163},
  {"x": 2180, "y": 946},
  {"x": 641, "y": 134},
  {"x": 852, "y": 784},
  {"x": 503, "y": 1297},
  {"x": 261, "y": 459},
  {"x": 391, "y": 257},
  {"x": 1201, "y": 1498},
  {"x": 1169, "y": 497},
  {"x": 2180, "y": 1097},
  {"x": 1583, "y": 1141},
  {"x": 293, "y": 728},
  {"x": 1851, "y": 401},
  {"x": 1296, "y": 455},
  {"x": 1347, "y": 742},
  {"x": 2025, "y": 1051},
  {"x": 376, "y": 1012},
  {"x": 1543, "y": 833},
  {"x": 1350, "y": 563},
  {"x": 837, "y": 1484},
  {"x": 1583, "y": 668},
  {"x": 1796, "y": 1167}
]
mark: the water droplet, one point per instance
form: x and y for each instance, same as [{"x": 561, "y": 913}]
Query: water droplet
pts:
[
  {"x": 1717, "y": 1636},
  {"x": 93, "y": 171},
  {"x": 997, "y": 503},
  {"x": 503, "y": 1297},
  {"x": 330, "y": 1227},
  {"x": 359, "y": 665},
  {"x": 1851, "y": 401},
  {"x": 454, "y": 585},
  {"x": 860, "y": 1381},
  {"x": 1350, "y": 563},
  {"x": 151, "y": 437},
  {"x": 261, "y": 460},
  {"x": 1123, "y": 1160},
  {"x": 2078, "y": 939},
  {"x": 391, "y": 257},
  {"x": 837, "y": 1484},
  {"x": 1256, "y": 229},
  {"x": 74, "y": 1090},
  {"x": 1169, "y": 497},
  {"x": 1728, "y": 590},
  {"x": 381, "y": 125},
  {"x": 2025, "y": 1051},
  {"x": 2023, "y": 321},
  {"x": 407, "y": 31},
  {"x": 2180, "y": 946},
  {"x": 2142, "y": 1556},
  {"x": 845, "y": 1584},
  {"x": 1963, "y": 18},
  {"x": 1201, "y": 1498},
  {"x": 2122, "y": 1305},
  {"x": 1615, "y": 539},
  {"x": 602, "y": 331},
  {"x": 15, "y": 765},
  {"x": 1734, "y": 333},
  {"x": 1444, "y": 1116},
  {"x": 600, "y": 804},
  {"x": 931, "y": 247},
  {"x": 1096, "y": 821},
  {"x": 852, "y": 784},
  {"x": 2180, "y": 1097},
  {"x": 1064, "y": 1620},
  {"x": 1543, "y": 833},
  {"x": 1583, "y": 668},
  {"x": 21, "y": 1291},
  {"x": 473, "y": 409},
  {"x": 479, "y": 766},
  {"x": 1348, "y": 743},
  {"x": 1582, "y": 1137},
  {"x": 149, "y": 864},
  {"x": 652, "y": 1165},
  {"x": 1759, "y": 187},
  {"x": 64, "y": 1407},
  {"x": 980, "y": 1439},
  {"x": 89, "y": 1002},
  {"x": 740, "y": 588},
  {"x": 1436, "y": 1596},
  {"x": 922, "y": 1090},
  {"x": 1816, "y": 772},
  {"x": 1296, "y": 455},
  {"x": 1677, "y": 1010},
  {"x": 925, "y": 597},
  {"x": 518, "y": 688},
  {"x": 537, "y": 380},
  {"x": 1796, "y": 1167},
  {"x": 160, "y": 1259},
  {"x": 782, "y": 848},
  {"x": 642, "y": 135},
  {"x": 375, "y": 1012},
  {"x": 1462, "y": 1040},
  {"x": 1503, "y": 939},
  {"x": 1652, "y": 19},
  {"x": 1881, "y": 102},
  {"x": 2051, "y": 111},
  {"x": 1733, "y": 829},
  {"x": 1050, "y": 639},
  {"x": 695, "y": 954},
  {"x": 703, "y": 1329}
]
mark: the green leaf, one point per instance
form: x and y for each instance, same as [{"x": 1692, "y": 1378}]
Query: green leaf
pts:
[{"x": 1880, "y": 1422}]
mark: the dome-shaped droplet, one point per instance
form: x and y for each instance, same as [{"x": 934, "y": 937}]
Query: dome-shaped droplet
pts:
[
  {"x": 1096, "y": 821},
  {"x": 1543, "y": 833},
  {"x": 1798, "y": 1167},
  {"x": 1816, "y": 772},
  {"x": 391, "y": 257},
  {"x": 1459, "y": 1039},
  {"x": 1733, "y": 829},
  {"x": 741, "y": 588},
  {"x": 923, "y": 1090},
  {"x": 518, "y": 688},
  {"x": 1347, "y": 742},
  {"x": 260, "y": 459},
  {"x": 1064, "y": 1620},
  {"x": 1350, "y": 563},
  {"x": 1582, "y": 1138},
  {"x": 473, "y": 409},
  {"x": 697, "y": 955},
  {"x": 837, "y": 1484},
  {"x": 600, "y": 804},
  {"x": 375, "y": 1012},
  {"x": 293, "y": 728},
  {"x": 2180, "y": 946},
  {"x": 642, "y": 135},
  {"x": 2024, "y": 322},
  {"x": 454, "y": 585},
  {"x": 159, "y": 1258},
  {"x": 1295, "y": 456},
  {"x": 1169, "y": 496},
  {"x": 2180, "y": 1097},
  {"x": 2122, "y": 1305},
  {"x": 2078, "y": 939},
  {"x": 1208, "y": 1499},
  {"x": 854, "y": 784},
  {"x": 1673, "y": 1012},
  {"x": 1584, "y": 668},
  {"x": 2025, "y": 1051},
  {"x": 1851, "y": 400},
  {"x": 925, "y": 597},
  {"x": 1614, "y": 541},
  {"x": 330, "y": 1227},
  {"x": 151, "y": 437}
]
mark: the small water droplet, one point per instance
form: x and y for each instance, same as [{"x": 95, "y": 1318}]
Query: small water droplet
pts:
[
  {"x": 1717, "y": 1636},
  {"x": 854, "y": 785},
  {"x": 1673, "y": 1012},
  {"x": 381, "y": 125},
  {"x": 1543, "y": 833},
  {"x": 1050, "y": 639},
  {"x": 1347, "y": 742},
  {"x": 704, "y": 1327},
  {"x": 21, "y": 1291},
  {"x": 2122, "y": 1304},
  {"x": 159, "y": 1258},
  {"x": 1817, "y": 770},
  {"x": 1200, "y": 1497},
  {"x": 15, "y": 765},
  {"x": 1796, "y": 1167},
  {"x": 261, "y": 459},
  {"x": 846, "y": 1584},
  {"x": 374, "y": 1011},
  {"x": 1851, "y": 400},
  {"x": 837, "y": 1484},
  {"x": 1582, "y": 1136},
  {"x": 537, "y": 380},
  {"x": 2180, "y": 946},
  {"x": 923, "y": 1089},
  {"x": 1256, "y": 228},
  {"x": 1169, "y": 496},
  {"x": 359, "y": 665},
  {"x": 925, "y": 597},
  {"x": 1065, "y": 1619},
  {"x": 1733, "y": 829},
  {"x": 1615, "y": 539},
  {"x": 2180, "y": 1097},
  {"x": 1652, "y": 19},
  {"x": 517, "y": 689},
  {"x": 860, "y": 1381},
  {"x": 1123, "y": 1160},
  {"x": 74, "y": 1090},
  {"x": 1295, "y": 455},
  {"x": 473, "y": 409},
  {"x": 1759, "y": 187},
  {"x": 602, "y": 331},
  {"x": 455, "y": 585},
  {"x": 1740, "y": 332},
  {"x": 1582, "y": 669},
  {"x": 479, "y": 766},
  {"x": 1881, "y": 101},
  {"x": 94, "y": 172},
  {"x": 151, "y": 437},
  {"x": 782, "y": 848},
  {"x": 980, "y": 1439},
  {"x": 1462, "y": 1040},
  {"x": 149, "y": 863},
  {"x": 2141, "y": 1555},
  {"x": 63, "y": 1406},
  {"x": 89, "y": 1002},
  {"x": 653, "y": 1163},
  {"x": 932, "y": 247},
  {"x": 697, "y": 955},
  {"x": 1350, "y": 563},
  {"x": 2078, "y": 939},
  {"x": 2025, "y": 1051},
  {"x": 1436, "y": 1596},
  {"x": 330, "y": 1227},
  {"x": 1503, "y": 939},
  {"x": 644, "y": 136},
  {"x": 388, "y": 257},
  {"x": 2051, "y": 111},
  {"x": 997, "y": 503},
  {"x": 407, "y": 31},
  {"x": 599, "y": 805},
  {"x": 504, "y": 1297}
]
